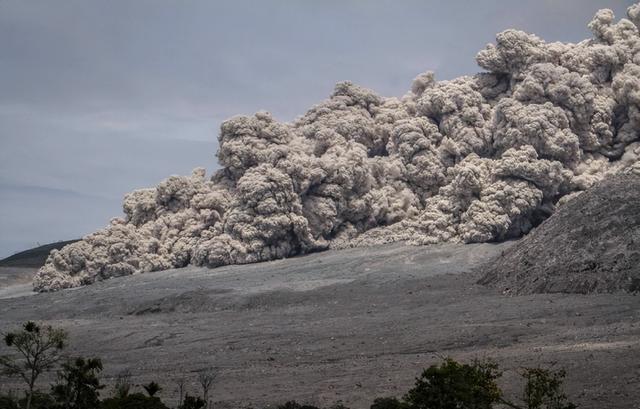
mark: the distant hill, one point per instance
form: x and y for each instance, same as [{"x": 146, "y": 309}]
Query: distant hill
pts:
[{"x": 34, "y": 257}]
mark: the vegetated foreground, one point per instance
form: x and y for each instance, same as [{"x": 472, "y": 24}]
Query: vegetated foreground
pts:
[{"x": 345, "y": 325}]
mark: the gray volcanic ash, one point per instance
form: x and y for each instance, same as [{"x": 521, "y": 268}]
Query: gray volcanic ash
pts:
[{"x": 475, "y": 159}]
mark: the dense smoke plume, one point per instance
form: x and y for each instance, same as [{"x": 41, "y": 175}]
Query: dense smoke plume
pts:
[{"x": 475, "y": 159}]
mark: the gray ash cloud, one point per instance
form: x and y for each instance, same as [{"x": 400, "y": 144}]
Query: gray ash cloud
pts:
[{"x": 475, "y": 159}]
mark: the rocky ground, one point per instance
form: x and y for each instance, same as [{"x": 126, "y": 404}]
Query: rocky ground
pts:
[
  {"x": 345, "y": 325},
  {"x": 591, "y": 244}
]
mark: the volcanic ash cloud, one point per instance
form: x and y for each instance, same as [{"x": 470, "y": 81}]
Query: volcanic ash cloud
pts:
[{"x": 479, "y": 158}]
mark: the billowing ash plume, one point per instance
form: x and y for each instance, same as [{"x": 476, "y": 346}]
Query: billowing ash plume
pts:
[{"x": 479, "y": 158}]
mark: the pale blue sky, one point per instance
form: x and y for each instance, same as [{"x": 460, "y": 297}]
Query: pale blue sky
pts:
[{"x": 101, "y": 97}]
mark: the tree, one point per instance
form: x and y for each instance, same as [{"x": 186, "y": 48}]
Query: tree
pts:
[
  {"x": 152, "y": 388},
  {"x": 543, "y": 389},
  {"x": 452, "y": 385},
  {"x": 205, "y": 379},
  {"x": 38, "y": 349},
  {"x": 78, "y": 384},
  {"x": 180, "y": 384}
]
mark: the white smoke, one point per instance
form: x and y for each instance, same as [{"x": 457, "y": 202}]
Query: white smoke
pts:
[{"x": 479, "y": 158}]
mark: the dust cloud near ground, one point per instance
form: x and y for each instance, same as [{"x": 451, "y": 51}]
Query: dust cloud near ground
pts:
[{"x": 475, "y": 159}]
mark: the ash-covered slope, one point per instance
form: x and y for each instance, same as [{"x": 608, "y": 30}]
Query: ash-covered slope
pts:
[
  {"x": 592, "y": 244},
  {"x": 479, "y": 158}
]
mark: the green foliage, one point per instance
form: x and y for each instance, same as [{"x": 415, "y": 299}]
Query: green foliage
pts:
[
  {"x": 152, "y": 388},
  {"x": 452, "y": 385},
  {"x": 38, "y": 349},
  {"x": 449, "y": 385},
  {"x": 193, "y": 402},
  {"x": 78, "y": 385},
  {"x": 388, "y": 403},
  {"x": 133, "y": 401},
  {"x": 543, "y": 389}
]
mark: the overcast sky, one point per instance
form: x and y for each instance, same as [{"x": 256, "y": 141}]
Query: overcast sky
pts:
[{"x": 98, "y": 98}]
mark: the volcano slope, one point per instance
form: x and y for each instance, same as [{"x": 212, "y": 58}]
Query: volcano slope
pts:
[
  {"x": 592, "y": 244},
  {"x": 349, "y": 324}
]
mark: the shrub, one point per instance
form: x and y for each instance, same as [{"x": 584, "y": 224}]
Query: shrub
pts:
[
  {"x": 39, "y": 400},
  {"x": 452, "y": 385},
  {"x": 133, "y": 401},
  {"x": 123, "y": 384},
  {"x": 193, "y": 402},
  {"x": 78, "y": 384},
  {"x": 152, "y": 388},
  {"x": 387, "y": 403},
  {"x": 9, "y": 401}
]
